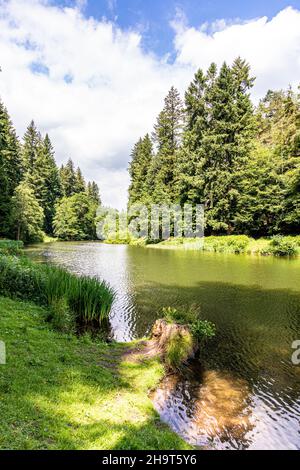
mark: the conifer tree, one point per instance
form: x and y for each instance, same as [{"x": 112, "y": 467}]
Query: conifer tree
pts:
[
  {"x": 141, "y": 158},
  {"x": 31, "y": 150},
  {"x": 80, "y": 185},
  {"x": 47, "y": 186},
  {"x": 189, "y": 169},
  {"x": 227, "y": 143},
  {"x": 10, "y": 168},
  {"x": 68, "y": 178},
  {"x": 93, "y": 192},
  {"x": 167, "y": 136}
]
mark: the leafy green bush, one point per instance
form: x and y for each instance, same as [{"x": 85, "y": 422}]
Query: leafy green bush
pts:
[
  {"x": 226, "y": 244},
  {"x": 200, "y": 329},
  {"x": 203, "y": 330},
  {"x": 283, "y": 246},
  {"x": 10, "y": 247},
  {"x": 87, "y": 299}
]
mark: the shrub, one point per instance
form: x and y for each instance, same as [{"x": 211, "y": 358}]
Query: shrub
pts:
[
  {"x": 10, "y": 247},
  {"x": 203, "y": 330},
  {"x": 226, "y": 244},
  {"x": 283, "y": 246},
  {"x": 200, "y": 329}
]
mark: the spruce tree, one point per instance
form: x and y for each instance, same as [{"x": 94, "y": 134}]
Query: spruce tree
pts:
[
  {"x": 141, "y": 158},
  {"x": 80, "y": 185},
  {"x": 189, "y": 169},
  {"x": 47, "y": 186},
  {"x": 10, "y": 168},
  {"x": 68, "y": 178},
  {"x": 227, "y": 143},
  {"x": 93, "y": 192},
  {"x": 31, "y": 151},
  {"x": 167, "y": 136}
]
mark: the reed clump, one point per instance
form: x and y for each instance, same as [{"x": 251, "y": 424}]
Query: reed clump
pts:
[{"x": 84, "y": 300}]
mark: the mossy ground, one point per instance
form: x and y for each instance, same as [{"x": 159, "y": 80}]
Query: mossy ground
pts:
[{"x": 59, "y": 391}]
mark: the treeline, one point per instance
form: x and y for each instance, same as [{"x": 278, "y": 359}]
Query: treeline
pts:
[
  {"x": 36, "y": 197},
  {"x": 216, "y": 148}
]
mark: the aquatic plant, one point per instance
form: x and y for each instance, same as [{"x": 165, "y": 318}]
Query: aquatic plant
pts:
[{"x": 87, "y": 300}]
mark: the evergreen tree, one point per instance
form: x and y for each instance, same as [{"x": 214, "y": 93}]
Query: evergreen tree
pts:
[
  {"x": 10, "y": 168},
  {"x": 93, "y": 192},
  {"x": 47, "y": 183},
  {"x": 141, "y": 158},
  {"x": 80, "y": 185},
  {"x": 167, "y": 136},
  {"x": 226, "y": 143},
  {"x": 189, "y": 170},
  {"x": 68, "y": 178},
  {"x": 31, "y": 150},
  {"x": 259, "y": 205}
]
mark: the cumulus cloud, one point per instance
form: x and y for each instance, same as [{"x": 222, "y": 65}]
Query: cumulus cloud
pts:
[
  {"x": 272, "y": 47},
  {"x": 91, "y": 86}
]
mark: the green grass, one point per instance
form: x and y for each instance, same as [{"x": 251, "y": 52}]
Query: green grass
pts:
[
  {"x": 87, "y": 299},
  {"x": 60, "y": 391},
  {"x": 10, "y": 247}
]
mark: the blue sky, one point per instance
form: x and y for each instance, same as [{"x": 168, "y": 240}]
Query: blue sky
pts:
[{"x": 153, "y": 17}]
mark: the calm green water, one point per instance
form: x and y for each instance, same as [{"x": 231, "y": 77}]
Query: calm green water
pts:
[{"x": 255, "y": 304}]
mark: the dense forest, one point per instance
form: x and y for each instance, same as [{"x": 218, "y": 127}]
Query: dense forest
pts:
[
  {"x": 216, "y": 148},
  {"x": 36, "y": 197}
]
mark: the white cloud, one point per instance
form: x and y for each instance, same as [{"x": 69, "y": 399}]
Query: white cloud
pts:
[
  {"x": 93, "y": 88},
  {"x": 272, "y": 47}
]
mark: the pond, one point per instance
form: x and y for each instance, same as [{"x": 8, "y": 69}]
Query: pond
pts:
[{"x": 248, "y": 394}]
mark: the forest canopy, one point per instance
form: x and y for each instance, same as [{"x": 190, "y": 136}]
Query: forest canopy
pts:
[
  {"x": 37, "y": 197},
  {"x": 216, "y": 148}
]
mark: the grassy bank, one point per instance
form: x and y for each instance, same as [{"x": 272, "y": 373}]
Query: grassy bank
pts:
[
  {"x": 72, "y": 300},
  {"x": 275, "y": 246},
  {"x": 10, "y": 247},
  {"x": 59, "y": 391}
]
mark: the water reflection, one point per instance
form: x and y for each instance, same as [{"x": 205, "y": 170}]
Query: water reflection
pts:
[
  {"x": 255, "y": 303},
  {"x": 208, "y": 408}
]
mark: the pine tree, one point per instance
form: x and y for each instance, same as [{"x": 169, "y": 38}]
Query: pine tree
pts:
[
  {"x": 31, "y": 150},
  {"x": 189, "y": 170},
  {"x": 10, "y": 168},
  {"x": 80, "y": 185},
  {"x": 93, "y": 192},
  {"x": 68, "y": 178},
  {"x": 47, "y": 186},
  {"x": 227, "y": 143},
  {"x": 141, "y": 158},
  {"x": 167, "y": 136}
]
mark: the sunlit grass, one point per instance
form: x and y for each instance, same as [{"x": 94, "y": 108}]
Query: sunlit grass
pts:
[{"x": 58, "y": 391}]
